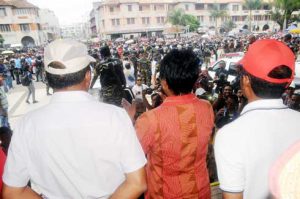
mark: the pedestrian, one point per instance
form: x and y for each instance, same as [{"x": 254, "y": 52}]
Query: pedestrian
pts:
[
  {"x": 112, "y": 78},
  {"x": 175, "y": 135},
  {"x": 27, "y": 80},
  {"x": 3, "y": 105},
  {"x": 75, "y": 147},
  {"x": 246, "y": 148}
]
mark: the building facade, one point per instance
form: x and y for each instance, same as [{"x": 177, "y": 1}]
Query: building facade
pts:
[
  {"x": 119, "y": 18},
  {"x": 50, "y": 25},
  {"x": 77, "y": 31},
  {"x": 20, "y": 23}
]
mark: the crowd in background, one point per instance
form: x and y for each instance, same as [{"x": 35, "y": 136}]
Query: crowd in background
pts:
[{"x": 129, "y": 74}]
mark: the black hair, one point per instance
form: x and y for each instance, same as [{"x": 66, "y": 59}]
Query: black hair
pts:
[
  {"x": 105, "y": 52},
  {"x": 180, "y": 70},
  {"x": 64, "y": 81},
  {"x": 267, "y": 90}
]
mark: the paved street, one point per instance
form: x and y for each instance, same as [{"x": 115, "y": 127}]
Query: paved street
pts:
[{"x": 17, "y": 101}]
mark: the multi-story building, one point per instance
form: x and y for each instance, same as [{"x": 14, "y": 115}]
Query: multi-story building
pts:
[
  {"x": 50, "y": 25},
  {"x": 94, "y": 20},
  {"x": 149, "y": 17},
  {"x": 78, "y": 31},
  {"x": 20, "y": 23}
]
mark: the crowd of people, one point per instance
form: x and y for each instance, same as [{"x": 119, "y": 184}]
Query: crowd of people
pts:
[{"x": 164, "y": 128}]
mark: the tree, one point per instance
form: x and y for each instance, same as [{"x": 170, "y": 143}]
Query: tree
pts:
[
  {"x": 216, "y": 13},
  {"x": 177, "y": 17},
  {"x": 228, "y": 25},
  {"x": 283, "y": 13},
  {"x": 252, "y": 5}
]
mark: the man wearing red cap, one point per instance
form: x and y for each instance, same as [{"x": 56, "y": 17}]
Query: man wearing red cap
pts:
[{"x": 246, "y": 148}]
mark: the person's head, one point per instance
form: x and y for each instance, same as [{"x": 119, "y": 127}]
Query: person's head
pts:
[
  {"x": 267, "y": 70},
  {"x": 5, "y": 137},
  {"x": 105, "y": 52},
  {"x": 232, "y": 102},
  {"x": 67, "y": 65},
  {"x": 227, "y": 91},
  {"x": 139, "y": 81},
  {"x": 239, "y": 93},
  {"x": 156, "y": 100},
  {"x": 294, "y": 101},
  {"x": 290, "y": 91},
  {"x": 127, "y": 66},
  {"x": 178, "y": 72}
]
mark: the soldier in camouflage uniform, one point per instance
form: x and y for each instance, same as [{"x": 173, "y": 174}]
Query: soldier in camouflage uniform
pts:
[
  {"x": 112, "y": 78},
  {"x": 144, "y": 69}
]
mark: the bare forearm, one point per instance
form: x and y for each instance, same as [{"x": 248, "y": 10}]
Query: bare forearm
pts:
[
  {"x": 129, "y": 191},
  {"x": 19, "y": 193},
  {"x": 227, "y": 195}
]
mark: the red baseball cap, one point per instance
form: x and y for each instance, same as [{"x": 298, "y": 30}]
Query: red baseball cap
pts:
[{"x": 265, "y": 55}]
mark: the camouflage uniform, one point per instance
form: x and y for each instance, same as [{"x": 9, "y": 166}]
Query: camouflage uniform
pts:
[
  {"x": 144, "y": 68},
  {"x": 112, "y": 81}
]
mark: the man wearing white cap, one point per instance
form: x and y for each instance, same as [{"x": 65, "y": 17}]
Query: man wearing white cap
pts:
[{"x": 75, "y": 147}]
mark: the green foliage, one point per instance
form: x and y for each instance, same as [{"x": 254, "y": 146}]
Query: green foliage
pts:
[
  {"x": 178, "y": 17},
  {"x": 252, "y": 4},
  {"x": 228, "y": 25},
  {"x": 284, "y": 10},
  {"x": 217, "y": 13},
  {"x": 191, "y": 21}
]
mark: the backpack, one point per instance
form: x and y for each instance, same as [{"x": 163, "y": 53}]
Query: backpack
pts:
[{"x": 25, "y": 80}]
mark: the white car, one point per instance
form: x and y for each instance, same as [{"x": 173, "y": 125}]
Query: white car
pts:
[{"x": 230, "y": 66}]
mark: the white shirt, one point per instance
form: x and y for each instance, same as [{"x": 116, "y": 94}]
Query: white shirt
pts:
[
  {"x": 246, "y": 148},
  {"x": 137, "y": 90},
  {"x": 129, "y": 75},
  {"x": 75, "y": 147}
]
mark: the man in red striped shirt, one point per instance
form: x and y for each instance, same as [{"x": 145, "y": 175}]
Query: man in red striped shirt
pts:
[{"x": 175, "y": 135}]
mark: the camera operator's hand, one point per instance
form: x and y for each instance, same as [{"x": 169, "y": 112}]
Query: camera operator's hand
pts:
[{"x": 220, "y": 112}]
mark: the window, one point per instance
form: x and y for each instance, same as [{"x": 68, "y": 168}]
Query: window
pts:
[
  {"x": 103, "y": 23},
  {"x": 200, "y": 18},
  {"x": 235, "y": 8},
  {"x": 5, "y": 28},
  {"x": 210, "y": 6},
  {"x": 113, "y": 22},
  {"x": 171, "y": 7},
  {"x": 111, "y": 9},
  {"x": 160, "y": 20},
  {"x": 154, "y": 7},
  {"x": 25, "y": 27},
  {"x": 234, "y": 18},
  {"x": 266, "y": 7},
  {"x": 223, "y": 6},
  {"x": 2, "y": 12},
  {"x": 140, "y": 8},
  {"x": 186, "y": 7},
  {"x": 199, "y": 6},
  {"x": 211, "y": 19},
  {"x": 129, "y": 8},
  {"x": 130, "y": 20},
  {"x": 118, "y": 22},
  {"x": 146, "y": 20}
]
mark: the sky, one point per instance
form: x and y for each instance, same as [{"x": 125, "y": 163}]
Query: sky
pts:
[{"x": 67, "y": 11}]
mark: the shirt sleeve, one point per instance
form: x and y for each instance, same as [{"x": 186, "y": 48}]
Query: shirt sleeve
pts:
[
  {"x": 132, "y": 155},
  {"x": 230, "y": 160},
  {"x": 15, "y": 172},
  {"x": 145, "y": 128}
]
